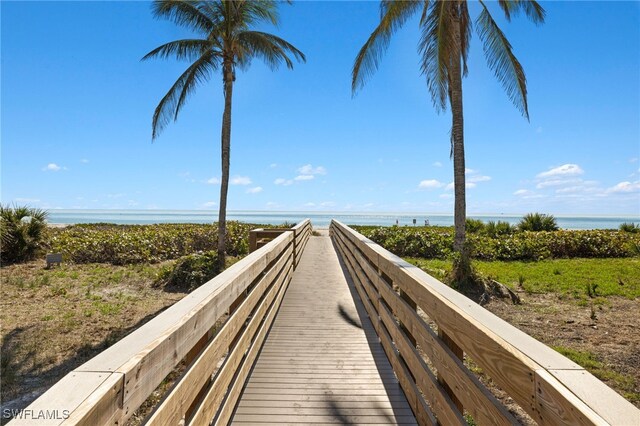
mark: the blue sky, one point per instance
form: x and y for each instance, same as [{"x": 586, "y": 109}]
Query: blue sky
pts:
[{"x": 77, "y": 103}]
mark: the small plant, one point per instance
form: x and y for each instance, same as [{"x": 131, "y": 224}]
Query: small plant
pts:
[
  {"x": 495, "y": 229},
  {"x": 556, "y": 271},
  {"x": 630, "y": 227},
  {"x": 474, "y": 225},
  {"x": 591, "y": 290},
  {"x": 193, "y": 270},
  {"x": 521, "y": 280},
  {"x": 287, "y": 224},
  {"x": 22, "y": 231},
  {"x": 593, "y": 315},
  {"x": 537, "y": 222}
]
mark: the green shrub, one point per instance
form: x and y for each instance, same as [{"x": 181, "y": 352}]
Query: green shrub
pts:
[
  {"x": 127, "y": 244},
  {"x": 191, "y": 271},
  {"x": 22, "y": 231},
  {"x": 494, "y": 229},
  {"x": 537, "y": 222},
  {"x": 474, "y": 225},
  {"x": 630, "y": 227},
  {"x": 438, "y": 243}
]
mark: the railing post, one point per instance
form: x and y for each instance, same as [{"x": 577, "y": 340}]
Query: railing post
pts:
[
  {"x": 459, "y": 353},
  {"x": 253, "y": 240}
]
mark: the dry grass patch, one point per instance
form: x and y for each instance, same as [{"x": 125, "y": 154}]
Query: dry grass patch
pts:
[{"x": 55, "y": 320}]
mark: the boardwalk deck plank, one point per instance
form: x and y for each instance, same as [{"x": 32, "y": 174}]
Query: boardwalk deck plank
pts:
[{"x": 321, "y": 362}]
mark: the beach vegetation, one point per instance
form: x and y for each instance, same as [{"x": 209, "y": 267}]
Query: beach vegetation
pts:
[
  {"x": 22, "y": 233},
  {"x": 537, "y": 222},
  {"x": 191, "y": 271},
  {"x": 139, "y": 244},
  {"x": 630, "y": 227},
  {"x": 226, "y": 41},
  {"x": 446, "y": 28},
  {"x": 437, "y": 243}
]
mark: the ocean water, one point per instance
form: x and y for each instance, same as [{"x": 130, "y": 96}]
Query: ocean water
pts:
[{"x": 318, "y": 219}]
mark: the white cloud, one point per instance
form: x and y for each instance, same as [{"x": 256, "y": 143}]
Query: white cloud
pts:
[
  {"x": 539, "y": 130},
  {"x": 308, "y": 169},
  {"x": 254, "y": 190},
  {"x": 564, "y": 170},
  {"x": 53, "y": 167},
  {"x": 303, "y": 177},
  {"x": 430, "y": 184},
  {"x": 282, "y": 181},
  {"x": 84, "y": 161},
  {"x": 469, "y": 171},
  {"x": 327, "y": 204},
  {"x": 210, "y": 204},
  {"x": 522, "y": 192},
  {"x": 213, "y": 181},
  {"x": 478, "y": 178},
  {"x": 273, "y": 165},
  {"x": 272, "y": 205},
  {"x": 626, "y": 187},
  {"x": 240, "y": 180},
  {"x": 557, "y": 182},
  {"x": 633, "y": 160},
  {"x": 310, "y": 204},
  {"x": 27, "y": 200},
  {"x": 437, "y": 164},
  {"x": 118, "y": 195},
  {"x": 446, "y": 196}
]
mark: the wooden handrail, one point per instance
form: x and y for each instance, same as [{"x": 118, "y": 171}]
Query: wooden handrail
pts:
[
  {"x": 111, "y": 386},
  {"x": 549, "y": 387}
]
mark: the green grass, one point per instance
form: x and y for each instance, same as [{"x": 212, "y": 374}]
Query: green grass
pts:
[{"x": 571, "y": 277}]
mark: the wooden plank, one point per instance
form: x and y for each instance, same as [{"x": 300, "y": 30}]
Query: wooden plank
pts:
[
  {"x": 224, "y": 377},
  {"x": 421, "y": 410},
  {"x": 478, "y": 400},
  {"x": 232, "y": 397},
  {"x": 174, "y": 406},
  {"x": 611, "y": 407},
  {"x": 84, "y": 398},
  {"x": 443, "y": 407},
  {"x": 508, "y": 355}
]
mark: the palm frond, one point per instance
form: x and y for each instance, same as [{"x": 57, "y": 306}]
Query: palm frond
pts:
[
  {"x": 260, "y": 11},
  {"x": 188, "y": 49},
  {"x": 436, "y": 46},
  {"x": 394, "y": 15},
  {"x": 171, "y": 104},
  {"x": 502, "y": 61},
  {"x": 531, "y": 8},
  {"x": 271, "y": 49},
  {"x": 186, "y": 13}
]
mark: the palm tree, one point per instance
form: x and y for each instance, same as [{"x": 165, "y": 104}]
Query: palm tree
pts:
[
  {"x": 443, "y": 46},
  {"x": 226, "y": 42}
]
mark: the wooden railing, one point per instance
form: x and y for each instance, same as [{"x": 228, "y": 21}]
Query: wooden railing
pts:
[
  {"x": 261, "y": 236},
  {"x": 428, "y": 362},
  {"x": 218, "y": 353}
]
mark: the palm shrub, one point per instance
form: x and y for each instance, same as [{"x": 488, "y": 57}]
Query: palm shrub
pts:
[
  {"x": 630, "y": 227},
  {"x": 22, "y": 232},
  {"x": 494, "y": 229},
  {"x": 474, "y": 225},
  {"x": 538, "y": 222}
]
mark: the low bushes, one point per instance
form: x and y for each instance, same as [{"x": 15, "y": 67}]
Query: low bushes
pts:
[
  {"x": 22, "y": 233},
  {"x": 522, "y": 245},
  {"x": 193, "y": 270},
  {"x": 126, "y": 244}
]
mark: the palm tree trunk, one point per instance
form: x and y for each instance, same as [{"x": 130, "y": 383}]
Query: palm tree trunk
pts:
[
  {"x": 457, "y": 137},
  {"x": 227, "y": 78}
]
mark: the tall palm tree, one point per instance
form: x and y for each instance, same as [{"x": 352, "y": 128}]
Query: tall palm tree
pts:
[
  {"x": 226, "y": 42},
  {"x": 443, "y": 47}
]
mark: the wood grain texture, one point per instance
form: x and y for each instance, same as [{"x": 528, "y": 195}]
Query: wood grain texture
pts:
[
  {"x": 321, "y": 362},
  {"x": 519, "y": 364}
]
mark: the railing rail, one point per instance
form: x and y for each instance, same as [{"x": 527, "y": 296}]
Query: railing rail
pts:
[
  {"x": 549, "y": 387},
  {"x": 107, "y": 389},
  {"x": 259, "y": 237}
]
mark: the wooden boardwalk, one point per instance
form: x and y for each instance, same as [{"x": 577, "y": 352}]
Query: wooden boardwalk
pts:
[{"x": 321, "y": 362}]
